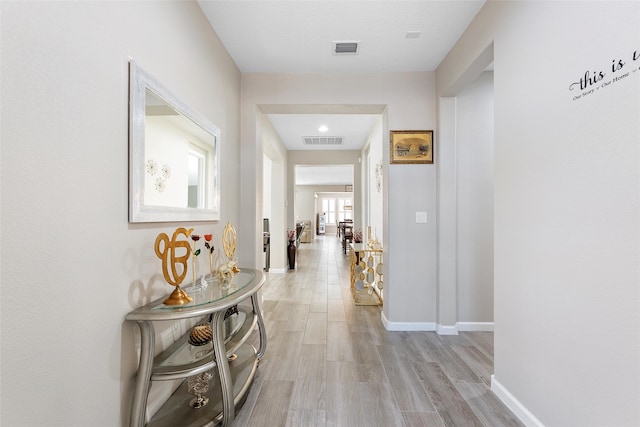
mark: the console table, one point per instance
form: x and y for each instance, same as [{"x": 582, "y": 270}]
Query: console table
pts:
[
  {"x": 366, "y": 274},
  {"x": 231, "y": 323}
]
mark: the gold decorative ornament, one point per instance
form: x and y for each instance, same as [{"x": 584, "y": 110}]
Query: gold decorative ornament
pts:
[
  {"x": 230, "y": 243},
  {"x": 366, "y": 273},
  {"x": 166, "y": 251}
]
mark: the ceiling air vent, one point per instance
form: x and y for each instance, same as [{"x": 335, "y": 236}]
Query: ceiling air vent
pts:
[
  {"x": 322, "y": 140},
  {"x": 345, "y": 48}
]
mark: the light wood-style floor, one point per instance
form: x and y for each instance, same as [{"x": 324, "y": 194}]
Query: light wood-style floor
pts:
[{"x": 331, "y": 363}]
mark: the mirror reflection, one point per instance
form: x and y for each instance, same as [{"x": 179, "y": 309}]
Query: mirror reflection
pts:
[
  {"x": 173, "y": 157},
  {"x": 179, "y": 156}
]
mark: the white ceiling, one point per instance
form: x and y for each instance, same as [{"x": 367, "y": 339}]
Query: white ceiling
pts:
[
  {"x": 353, "y": 128},
  {"x": 295, "y": 36}
]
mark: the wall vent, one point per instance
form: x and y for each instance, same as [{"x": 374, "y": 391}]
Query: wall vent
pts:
[
  {"x": 322, "y": 140},
  {"x": 345, "y": 48}
]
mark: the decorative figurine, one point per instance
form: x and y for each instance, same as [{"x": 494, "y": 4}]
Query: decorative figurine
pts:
[
  {"x": 198, "y": 385},
  {"x": 166, "y": 251},
  {"x": 194, "y": 253},
  {"x": 200, "y": 340},
  {"x": 208, "y": 238},
  {"x": 229, "y": 243}
]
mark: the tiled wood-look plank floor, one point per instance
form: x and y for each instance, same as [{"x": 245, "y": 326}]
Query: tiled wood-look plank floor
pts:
[{"x": 331, "y": 363}]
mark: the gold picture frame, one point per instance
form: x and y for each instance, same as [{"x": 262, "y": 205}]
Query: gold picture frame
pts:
[{"x": 411, "y": 146}]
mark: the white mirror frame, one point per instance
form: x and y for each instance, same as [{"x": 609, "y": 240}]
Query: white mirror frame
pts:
[{"x": 139, "y": 82}]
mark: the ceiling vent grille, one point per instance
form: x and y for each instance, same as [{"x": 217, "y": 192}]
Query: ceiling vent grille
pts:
[
  {"x": 322, "y": 140},
  {"x": 345, "y": 48}
]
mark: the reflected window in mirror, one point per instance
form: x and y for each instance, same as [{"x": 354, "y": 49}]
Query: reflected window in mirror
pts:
[{"x": 197, "y": 167}]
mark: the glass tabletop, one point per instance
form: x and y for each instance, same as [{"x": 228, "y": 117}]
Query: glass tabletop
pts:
[
  {"x": 212, "y": 292},
  {"x": 206, "y": 299}
]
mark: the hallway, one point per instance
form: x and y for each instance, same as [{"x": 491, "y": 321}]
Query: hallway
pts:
[{"x": 330, "y": 363}]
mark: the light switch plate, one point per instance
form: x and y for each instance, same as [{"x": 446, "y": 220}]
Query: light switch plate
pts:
[{"x": 421, "y": 217}]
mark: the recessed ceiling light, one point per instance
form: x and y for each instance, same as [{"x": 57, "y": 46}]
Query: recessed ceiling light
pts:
[
  {"x": 412, "y": 34},
  {"x": 323, "y": 128}
]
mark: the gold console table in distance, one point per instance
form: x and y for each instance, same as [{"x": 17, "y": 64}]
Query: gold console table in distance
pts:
[{"x": 366, "y": 274}]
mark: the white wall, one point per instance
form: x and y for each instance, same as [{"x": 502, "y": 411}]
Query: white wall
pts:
[
  {"x": 275, "y": 150},
  {"x": 474, "y": 169},
  {"x": 305, "y": 204},
  {"x": 375, "y": 202},
  {"x": 72, "y": 266},
  {"x": 567, "y": 323},
  {"x": 266, "y": 186}
]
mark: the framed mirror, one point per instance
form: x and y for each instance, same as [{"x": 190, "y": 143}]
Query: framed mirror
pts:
[{"x": 174, "y": 159}]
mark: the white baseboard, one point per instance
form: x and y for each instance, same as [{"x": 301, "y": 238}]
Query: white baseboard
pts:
[
  {"x": 277, "y": 270},
  {"x": 475, "y": 326},
  {"x": 514, "y": 404},
  {"x": 447, "y": 329},
  {"x": 406, "y": 326},
  {"x": 432, "y": 326}
]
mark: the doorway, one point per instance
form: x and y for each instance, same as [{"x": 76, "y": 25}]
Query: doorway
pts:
[
  {"x": 326, "y": 190},
  {"x": 300, "y": 202},
  {"x": 465, "y": 201},
  {"x": 475, "y": 196}
]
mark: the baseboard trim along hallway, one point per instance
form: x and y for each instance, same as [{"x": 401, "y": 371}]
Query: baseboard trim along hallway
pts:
[
  {"x": 514, "y": 404},
  {"x": 439, "y": 329},
  {"x": 406, "y": 326}
]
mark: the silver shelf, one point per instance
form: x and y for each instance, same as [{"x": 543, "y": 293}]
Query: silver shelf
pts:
[
  {"x": 177, "y": 411},
  {"x": 177, "y": 360}
]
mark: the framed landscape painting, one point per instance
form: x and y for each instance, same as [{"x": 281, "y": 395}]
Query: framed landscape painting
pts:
[{"x": 411, "y": 146}]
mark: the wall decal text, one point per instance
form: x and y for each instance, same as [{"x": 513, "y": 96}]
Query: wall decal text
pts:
[{"x": 593, "y": 81}]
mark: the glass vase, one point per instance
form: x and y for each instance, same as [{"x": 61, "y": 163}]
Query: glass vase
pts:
[{"x": 198, "y": 385}]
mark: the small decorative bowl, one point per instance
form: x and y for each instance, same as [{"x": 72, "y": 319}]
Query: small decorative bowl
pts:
[{"x": 200, "y": 335}]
